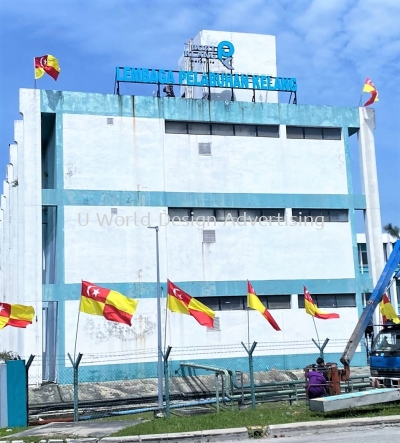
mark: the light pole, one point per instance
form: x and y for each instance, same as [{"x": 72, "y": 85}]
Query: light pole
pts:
[{"x": 160, "y": 357}]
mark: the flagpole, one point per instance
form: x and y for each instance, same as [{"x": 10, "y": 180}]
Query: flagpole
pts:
[
  {"x": 159, "y": 337},
  {"x": 248, "y": 327},
  {"x": 34, "y": 77},
  {"x": 166, "y": 319},
  {"x": 359, "y": 103},
  {"x": 316, "y": 330},
  {"x": 77, "y": 326}
]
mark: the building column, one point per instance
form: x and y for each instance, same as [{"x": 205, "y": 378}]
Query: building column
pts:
[{"x": 369, "y": 177}]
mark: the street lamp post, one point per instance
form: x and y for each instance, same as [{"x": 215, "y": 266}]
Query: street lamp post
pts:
[{"x": 159, "y": 365}]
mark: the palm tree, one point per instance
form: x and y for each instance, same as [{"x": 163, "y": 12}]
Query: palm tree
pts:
[{"x": 392, "y": 230}]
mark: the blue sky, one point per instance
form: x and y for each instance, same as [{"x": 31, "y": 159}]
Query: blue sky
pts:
[{"x": 330, "y": 46}]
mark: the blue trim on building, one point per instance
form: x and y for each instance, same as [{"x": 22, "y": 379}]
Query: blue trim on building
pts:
[
  {"x": 198, "y": 110},
  {"x": 70, "y": 197},
  {"x": 129, "y": 371},
  {"x": 72, "y": 291}
]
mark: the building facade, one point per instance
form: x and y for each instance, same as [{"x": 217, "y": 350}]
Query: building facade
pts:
[{"x": 255, "y": 190}]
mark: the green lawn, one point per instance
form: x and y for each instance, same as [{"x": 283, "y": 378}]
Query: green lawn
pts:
[
  {"x": 5, "y": 432},
  {"x": 263, "y": 415}
]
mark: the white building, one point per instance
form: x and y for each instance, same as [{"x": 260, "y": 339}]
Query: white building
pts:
[{"x": 84, "y": 165}]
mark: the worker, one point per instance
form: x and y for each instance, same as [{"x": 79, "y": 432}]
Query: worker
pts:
[
  {"x": 317, "y": 385},
  {"x": 320, "y": 361}
]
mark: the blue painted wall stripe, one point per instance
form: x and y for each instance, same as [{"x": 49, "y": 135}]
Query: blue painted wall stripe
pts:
[
  {"x": 198, "y": 110},
  {"x": 129, "y": 371},
  {"x": 72, "y": 291},
  {"x": 70, "y": 197}
]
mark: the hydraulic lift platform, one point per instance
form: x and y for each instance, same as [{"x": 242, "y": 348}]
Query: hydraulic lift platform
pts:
[{"x": 354, "y": 399}]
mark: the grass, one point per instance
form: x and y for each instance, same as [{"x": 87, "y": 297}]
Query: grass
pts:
[
  {"x": 5, "y": 432},
  {"x": 263, "y": 415}
]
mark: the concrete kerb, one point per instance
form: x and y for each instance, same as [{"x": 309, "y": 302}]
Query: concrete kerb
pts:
[
  {"x": 196, "y": 436},
  {"x": 319, "y": 427}
]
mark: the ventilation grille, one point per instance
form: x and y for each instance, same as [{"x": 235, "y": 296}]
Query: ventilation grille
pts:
[
  {"x": 114, "y": 210},
  {"x": 216, "y": 327},
  {"x": 209, "y": 236},
  {"x": 110, "y": 121},
  {"x": 204, "y": 148}
]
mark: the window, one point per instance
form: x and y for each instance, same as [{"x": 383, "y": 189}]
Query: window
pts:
[
  {"x": 221, "y": 129},
  {"x": 239, "y": 303},
  {"x": 228, "y": 215},
  {"x": 245, "y": 130},
  {"x": 211, "y": 302},
  {"x": 329, "y": 215},
  {"x": 251, "y": 214},
  {"x": 331, "y": 133},
  {"x": 232, "y": 303},
  {"x": 203, "y": 214},
  {"x": 294, "y": 132},
  {"x": 226, "y": 129},
  {"x": 313, "y": 133},
  {"x": 362, "y": 257},
  {"x": 176, "y": 127},
  {"x": 273, "y": 214},
  {"x": 199, "y": 128},
  {"x": 275, "y": 301},
  {"x": 268, "y": 131},
  {"x": 331, "y": 300}
]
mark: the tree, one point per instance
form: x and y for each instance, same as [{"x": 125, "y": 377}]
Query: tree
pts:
[
  {"x": 392, "y": 230},
  {"x": 9, "y": 355}
]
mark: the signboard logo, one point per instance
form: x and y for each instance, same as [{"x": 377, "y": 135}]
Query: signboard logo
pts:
[{"x": 225, "y": 51}]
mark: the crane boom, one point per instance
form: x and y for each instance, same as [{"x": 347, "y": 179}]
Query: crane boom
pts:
[{"x": 384, "y": 282}]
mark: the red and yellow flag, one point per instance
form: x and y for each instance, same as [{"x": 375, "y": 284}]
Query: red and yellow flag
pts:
[
  {"x": 181, "y": 302},
  {"x": 112, "y": 305},
  {"x": 254, "y": 302},
  {"x": 369, "y": 87},
  {"x": 312, "y": 309},
  {"x": 18, "y": 316},
  {"x": 387, "y": 311},
  {"x": 46, "y": 64}
]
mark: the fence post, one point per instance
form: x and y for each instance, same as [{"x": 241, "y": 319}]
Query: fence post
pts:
[
  {"x": 166, "y": 380},
  {"x": 75, "y": 365},
  {"x": 250, "y": 354},
  {"x": 321, "y": 348},
  {"x": 217, "y": 391},
  {"x": 27, "y": 366}
]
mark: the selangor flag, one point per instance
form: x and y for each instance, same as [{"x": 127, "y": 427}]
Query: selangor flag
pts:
[
  {"x": 46, "y": 63},
  {"x": 312, "y": 309},
  {"x": 254, "y": 302},
  {"x": 387, "y": 311},
  {"x": 369, "y": 87},
  {"x": 179, "y": 301},
  {"x": 19, "y": 316},
  {"x": 112, "y": 305}
]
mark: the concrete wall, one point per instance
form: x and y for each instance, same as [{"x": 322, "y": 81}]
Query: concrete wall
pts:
[{"x": 134, "y": 167}]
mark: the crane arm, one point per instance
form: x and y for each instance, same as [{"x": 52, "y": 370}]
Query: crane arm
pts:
[{"x": 384, "y": 282}]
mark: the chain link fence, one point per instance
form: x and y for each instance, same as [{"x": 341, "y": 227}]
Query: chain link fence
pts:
[{"x": 230, "y": 376}]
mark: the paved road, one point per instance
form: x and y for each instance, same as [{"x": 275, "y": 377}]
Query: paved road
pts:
[{"x": 346, "y": 435}]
